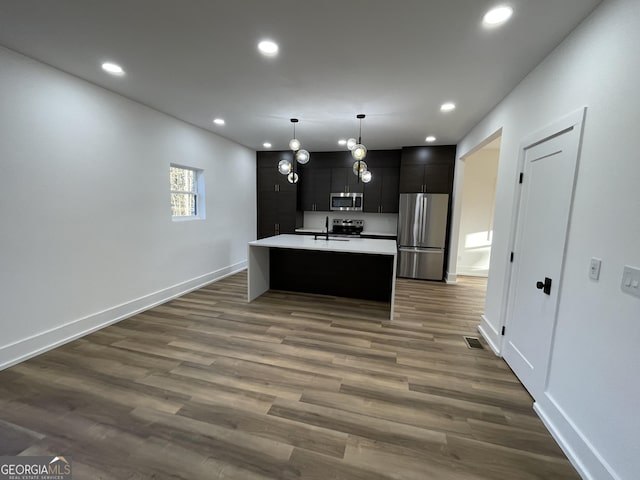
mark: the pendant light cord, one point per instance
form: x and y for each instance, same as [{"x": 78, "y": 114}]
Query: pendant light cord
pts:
[
  {"x": 294, "y": 161},
  {"x": 359, "y": 143}
]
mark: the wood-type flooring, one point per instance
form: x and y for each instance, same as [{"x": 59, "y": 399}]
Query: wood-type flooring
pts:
[{"x": 290, "y": 386}]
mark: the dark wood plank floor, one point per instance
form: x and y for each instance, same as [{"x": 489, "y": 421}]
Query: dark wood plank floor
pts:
[{"x": 291, "y": 386}]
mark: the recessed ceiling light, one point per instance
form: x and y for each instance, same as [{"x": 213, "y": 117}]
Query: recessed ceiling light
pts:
[
  {"x": 342, "y": 141},
  {"x": 268, "y": 48},
  {"x": 447, "y": 107},
  {"x": 218, "y": 121},
  {"x": 266, "y": 145},
  {"x": 497, "y": 16},
  {"x": 430, "y": 139},
  {"x": 112, "y": 68}
]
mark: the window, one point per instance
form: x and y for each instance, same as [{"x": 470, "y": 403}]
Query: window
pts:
[{"x": 187, "y": 192}]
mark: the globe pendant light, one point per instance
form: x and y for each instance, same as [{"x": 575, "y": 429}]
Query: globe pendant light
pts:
[
  {"x": 359, "y": 152},
  {"x": 302, "y": 156},
  {"x": 284, "y": 166},
  {"x": 294, "y": 143},
  {"x": 359, "y": 167},
  {"x": 366, "y": 176}
]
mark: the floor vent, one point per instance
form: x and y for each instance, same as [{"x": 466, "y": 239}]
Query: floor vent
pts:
[{"x": 473, "y": 342}]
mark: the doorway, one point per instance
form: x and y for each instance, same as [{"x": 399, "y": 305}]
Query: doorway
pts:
[{"x": 477, "y": 211}]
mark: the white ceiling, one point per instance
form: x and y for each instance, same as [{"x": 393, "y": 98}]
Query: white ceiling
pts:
[{"x": 395, "y": 61}]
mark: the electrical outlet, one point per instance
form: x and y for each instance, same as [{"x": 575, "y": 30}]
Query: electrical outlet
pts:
[
  {"x": 631, "y": 280},
  {"x": 594, "y": 268}
]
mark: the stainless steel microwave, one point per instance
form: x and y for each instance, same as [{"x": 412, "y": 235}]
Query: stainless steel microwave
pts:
[{"x": 346, "y": 201}]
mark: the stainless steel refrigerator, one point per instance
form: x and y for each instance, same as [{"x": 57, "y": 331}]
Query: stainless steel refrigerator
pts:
[{"x": 422, "y": 230}]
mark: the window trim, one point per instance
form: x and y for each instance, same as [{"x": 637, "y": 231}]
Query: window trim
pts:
[{"x": 198, "y": 193}]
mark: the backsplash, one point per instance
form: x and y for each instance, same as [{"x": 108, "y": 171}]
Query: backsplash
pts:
[{"x": 373, "y": 222}]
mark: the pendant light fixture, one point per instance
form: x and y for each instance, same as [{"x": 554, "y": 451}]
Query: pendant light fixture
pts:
[
  {"x": 359, "y": 152},
  {"x": 301, "y": 156}
]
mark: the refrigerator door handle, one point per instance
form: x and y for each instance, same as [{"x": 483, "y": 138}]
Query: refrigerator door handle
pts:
[{"x": 424, "y": 231}]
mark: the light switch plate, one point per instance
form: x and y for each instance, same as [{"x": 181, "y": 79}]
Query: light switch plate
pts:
[
  {"x": 594, "y": 268},
  {"x": 631, "y": 281}
]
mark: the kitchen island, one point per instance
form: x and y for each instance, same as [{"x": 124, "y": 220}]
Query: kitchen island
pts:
[{"x": 353, "y": 267}]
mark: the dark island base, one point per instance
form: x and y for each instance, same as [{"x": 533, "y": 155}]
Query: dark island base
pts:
[{"x": 352, "y": 275}]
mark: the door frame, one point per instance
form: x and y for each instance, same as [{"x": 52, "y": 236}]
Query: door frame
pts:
[
  {"x": 573, "y": 120},
  {"x": 456, "y": 207}
]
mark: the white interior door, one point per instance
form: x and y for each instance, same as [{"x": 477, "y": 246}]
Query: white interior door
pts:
[{"x": 543, "y": 218}]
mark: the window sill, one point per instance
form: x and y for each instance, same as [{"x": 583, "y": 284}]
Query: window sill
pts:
[{"x": 185, "y": 219}]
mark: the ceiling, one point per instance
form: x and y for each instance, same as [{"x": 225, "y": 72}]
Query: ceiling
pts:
[{"x": 395, "y": 61}]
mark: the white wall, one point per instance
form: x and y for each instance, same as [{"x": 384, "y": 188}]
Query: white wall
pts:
[
  {"x": 87, "y": 235},
  {"x": 591, "y": 402},
  {"x": 476, "y": 216}
]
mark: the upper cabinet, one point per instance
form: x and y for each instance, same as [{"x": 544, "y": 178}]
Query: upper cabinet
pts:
[
  {"x": 344, "y": 180},
  {"x": 332, "y": 172},
  {"x": 427, "y": 169},
  {"x": 381, "y": 194},
  {"x": 269, "y": 178},
  {"x": 315, "y": 188}
]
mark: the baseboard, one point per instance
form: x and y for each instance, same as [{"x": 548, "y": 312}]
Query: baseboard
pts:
[
  {"x": 580, "y": 452},
  {"x": 450, "y": 277},
  {"x": 30, "y": 347},
  {"x": 472, "y": 273},
  {"x": 491, "y": 335}
]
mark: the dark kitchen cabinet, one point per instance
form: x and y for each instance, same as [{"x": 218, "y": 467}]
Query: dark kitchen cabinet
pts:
[
  {"x": 314, "y": 189},
  {"x": 276, "y": 196},
  {"x": 427, "y": 169},
  {"x": 381, "y": 194},
  {"x": 276, "y": 213},
  {"x": 411, "y": 178},
  {"x": 344, "y": 180}
]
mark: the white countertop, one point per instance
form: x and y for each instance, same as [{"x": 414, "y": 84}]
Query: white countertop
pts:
[
  {"x": 350, "y": 245},
  {"x": 364, "y": 232}
]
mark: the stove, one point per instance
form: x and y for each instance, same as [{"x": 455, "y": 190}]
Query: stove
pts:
[{"x": 347, "y": 227}]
